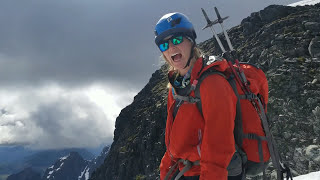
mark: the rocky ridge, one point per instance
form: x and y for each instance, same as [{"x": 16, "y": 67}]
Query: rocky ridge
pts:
[
  {"x": 278, "y": 40},
  {"x": 139, "y": 135}
]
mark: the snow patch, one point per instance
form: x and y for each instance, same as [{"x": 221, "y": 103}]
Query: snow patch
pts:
[
  {"x": 54, "y": 170},
  {"x": 50, "y": 173},
  {"x": 86, "y": 176},
  {"x": 64, "y": 158},
  {"x": 85, "y": 172},
  {"x": 82, "y": 173},
  {"x": 60, "y": 166},
  {"x": 310, "y": 176},
  {"x": 305, "y": 2}
]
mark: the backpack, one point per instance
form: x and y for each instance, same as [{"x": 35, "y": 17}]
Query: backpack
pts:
[{"x": 254, "y": 142}]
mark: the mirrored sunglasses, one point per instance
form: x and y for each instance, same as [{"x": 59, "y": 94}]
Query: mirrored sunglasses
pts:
[{"x": 164, "y": 45}]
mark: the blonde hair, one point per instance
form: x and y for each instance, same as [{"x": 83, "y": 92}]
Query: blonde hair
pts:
[{"x": 196, "y": 55}]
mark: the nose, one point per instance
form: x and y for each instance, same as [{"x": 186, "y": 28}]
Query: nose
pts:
[{"x": 171, "y": 45}]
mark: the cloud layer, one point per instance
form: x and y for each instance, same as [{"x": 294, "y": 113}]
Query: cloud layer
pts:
[
  {"x": 53, "y": 117},
  {"x": 77, "y": 42}
]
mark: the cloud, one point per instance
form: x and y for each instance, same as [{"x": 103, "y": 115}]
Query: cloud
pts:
[
  {"x": 54, "y": 117},
  {"x": 77, "y": 42}
]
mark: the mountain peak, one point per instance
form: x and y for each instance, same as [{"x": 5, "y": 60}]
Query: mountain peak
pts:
[{"x": 67, "y": 167}]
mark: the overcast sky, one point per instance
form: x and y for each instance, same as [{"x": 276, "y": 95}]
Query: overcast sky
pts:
[{"x": 67, "y": 67}]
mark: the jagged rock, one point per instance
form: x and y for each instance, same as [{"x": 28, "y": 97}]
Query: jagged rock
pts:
[
  {"x": 316, "y": 111},
  {"x": 26, "y": 174},
  {"x": 312, "y": 26},
  {"x": 139, "y": 135},
  {"x": 313, "y": 152},
  {"x": 307, "y": 158},
  {"x": 314, "y": 46}
]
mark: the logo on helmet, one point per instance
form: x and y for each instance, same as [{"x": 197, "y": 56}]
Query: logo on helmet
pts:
[
  {"x": 169, "y": 19},
  {"x": 175, "y": 22}
]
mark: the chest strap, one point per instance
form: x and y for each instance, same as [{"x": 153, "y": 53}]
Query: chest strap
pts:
[{"x": 187, "y": 166}]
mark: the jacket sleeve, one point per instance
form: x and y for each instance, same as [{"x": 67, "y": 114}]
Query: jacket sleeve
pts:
[
  {"x": 219, "y": 110},
  {"x": 166, "y": 161},
  {"x": 165, "y": 165}
]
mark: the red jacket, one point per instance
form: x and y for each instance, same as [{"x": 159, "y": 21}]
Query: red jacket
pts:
[{"x": 208, "y": 138}]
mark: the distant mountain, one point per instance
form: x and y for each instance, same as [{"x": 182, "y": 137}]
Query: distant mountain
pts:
[
  {"x": 94, "y": 164},
  {"x": 26, "y": 174},
  {"x": 66, "y": 168},
  {"x": 38, "y": 160},
  {"x": 45, "y": 158},
  {"x": 72, "y": 166}
]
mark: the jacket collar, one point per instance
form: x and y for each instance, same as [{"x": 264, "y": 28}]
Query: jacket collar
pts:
[{"x": 202, "y": 64}]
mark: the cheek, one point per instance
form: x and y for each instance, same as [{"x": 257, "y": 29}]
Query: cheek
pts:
[
  {"x": 187, "y": 47},
  {"x": 166, "y": 56}
]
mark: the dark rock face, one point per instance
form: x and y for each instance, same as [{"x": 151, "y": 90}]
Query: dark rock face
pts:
[
  {"x": 66, "y": 168},
  {"x": 139, "y": 135},
  {"x": 276, "y": 39},
  {"x": 26, "y": 174},
  {"x": 314, "y": 46}
]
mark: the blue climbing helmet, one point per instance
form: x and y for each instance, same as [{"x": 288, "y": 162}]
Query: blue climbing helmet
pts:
[{"x": 174, "y": 23}]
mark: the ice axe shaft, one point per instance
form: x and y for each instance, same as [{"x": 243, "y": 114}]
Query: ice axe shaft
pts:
[
  {"x": 220, "y": 20},
  {"x": 210, "y": 24},
  {"x": 218, "y": 39}
]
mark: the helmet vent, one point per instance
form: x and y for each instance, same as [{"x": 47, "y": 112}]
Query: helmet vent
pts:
[{"x": 175, "y": 22}]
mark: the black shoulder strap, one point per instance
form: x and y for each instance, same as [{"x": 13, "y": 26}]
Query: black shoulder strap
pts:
[{"x": 238, "y": 129}]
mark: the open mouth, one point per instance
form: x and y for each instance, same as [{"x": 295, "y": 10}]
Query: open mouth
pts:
[{"x": 176, "y": 56}]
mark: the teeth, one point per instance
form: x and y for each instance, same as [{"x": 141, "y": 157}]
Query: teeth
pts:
[{"x": 174, "y": 54}]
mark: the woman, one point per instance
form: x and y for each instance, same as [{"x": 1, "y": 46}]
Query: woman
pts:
[{"x": 203, "y": 139}]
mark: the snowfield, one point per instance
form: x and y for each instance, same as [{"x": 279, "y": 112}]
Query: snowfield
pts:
[
  {"x": 310, "y": 176},
  {"x": 305, "y": 2}
]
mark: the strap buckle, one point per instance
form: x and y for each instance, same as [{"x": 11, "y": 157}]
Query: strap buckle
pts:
[{"x": 249, "y": 96}]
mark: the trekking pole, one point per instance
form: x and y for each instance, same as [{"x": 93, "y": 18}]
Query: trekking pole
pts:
[
  {"x": 227, "y": 55},
  {"x": 232, "y": 53},
  {"x": 210, "y": 24},
  {"x": 220, "y": 21}
]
